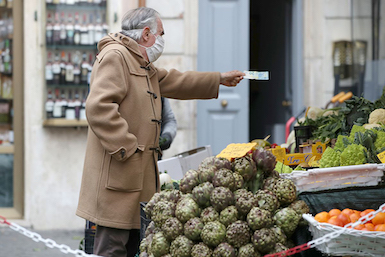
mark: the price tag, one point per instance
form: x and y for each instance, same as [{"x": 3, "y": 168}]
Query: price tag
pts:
[
  {"x": 381, "y": 156},
  {"x": 257, "y": 75},
  {"x": 236, "y": 150}
]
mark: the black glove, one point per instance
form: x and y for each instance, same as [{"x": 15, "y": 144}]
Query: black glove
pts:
[{"x": 165, "y": 141}]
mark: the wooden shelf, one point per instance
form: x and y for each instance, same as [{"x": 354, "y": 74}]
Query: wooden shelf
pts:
[
  {"x": 7, "y": 149},
  {"x": 65, "y": 123}
]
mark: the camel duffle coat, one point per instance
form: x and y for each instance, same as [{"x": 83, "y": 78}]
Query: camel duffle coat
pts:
[{"x": 123, "y": 111}]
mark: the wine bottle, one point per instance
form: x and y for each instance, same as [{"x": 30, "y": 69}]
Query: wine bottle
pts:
[
  {"x": 63, "y": 65},
  {"x": 64, "y": 104},
  {"x": 84, "y": 70},
  {"x": 56, "y": 70},
  {"x": 82, "y": 115},
  {"x": 63, "y": 31},
  {"x": 49, "y": 30},
  {"x": 77, "y": 30},
  {"x": 70, "y": 110},
  {"x": 69, "y": 71},
  {"x": 57, "y": 105},
  {"x": 70, "y": 30},
  {"x": 48, "y": 71},
  {"x": 98, "y": 29},
  {"x": 84, "y": 31},
  {"x": 49, "y": 106},
  {"x": 77, "y": 105},
  {"x": 91, "y": 31},
  {"x": 56, "y": 30}
]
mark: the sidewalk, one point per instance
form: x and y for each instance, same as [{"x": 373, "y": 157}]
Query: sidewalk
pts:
[{"x": 15, "y": 244}]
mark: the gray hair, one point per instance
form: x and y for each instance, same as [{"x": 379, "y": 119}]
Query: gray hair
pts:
[{"x": 135, "y": 20}]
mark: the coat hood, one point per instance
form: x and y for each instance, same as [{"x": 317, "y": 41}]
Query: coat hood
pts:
[{"x": 119, "y": 38}]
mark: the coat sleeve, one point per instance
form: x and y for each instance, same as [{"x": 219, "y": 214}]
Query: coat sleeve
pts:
[
  {"x": 108, "y": 88},
  {"x": 169, "y": 124},
  {"x": 188, "y": 85}
]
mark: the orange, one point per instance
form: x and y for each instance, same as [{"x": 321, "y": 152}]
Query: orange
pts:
[
  {"x": 322, "y": 216},
  {"x": 379, "y": 218},
  {"x": 335, "y": 221},
  {"x": 369, "y": 226},
  {"x": 334, "y": 212},
  {"x": 367, "y": 211},
  {"x": 359, "y": 227},
  {"x": 344, "y": 218},
  {"x": 354, "y": 217},
  {"x": 347, "y": 211},
  {"x": 380, "y": 227}
]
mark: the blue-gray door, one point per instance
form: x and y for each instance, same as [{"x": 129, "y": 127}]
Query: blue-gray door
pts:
[{"x": 223, "y": 45}]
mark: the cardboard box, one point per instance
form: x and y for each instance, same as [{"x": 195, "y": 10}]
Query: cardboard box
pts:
[{"x": 177, "y": 166}]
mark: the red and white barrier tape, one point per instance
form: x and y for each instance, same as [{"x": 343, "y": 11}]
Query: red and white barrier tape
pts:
[
  {"x": 329, "y": 236},
  {"x": 66, "y": 249},
  {"x": 48, "y": 242}
]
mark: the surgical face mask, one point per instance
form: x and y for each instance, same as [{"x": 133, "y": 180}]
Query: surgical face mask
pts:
[{"x": 156, "y": 50}]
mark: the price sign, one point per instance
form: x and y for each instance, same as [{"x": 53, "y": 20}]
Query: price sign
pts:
[
  {"x": 236, "y": 150},
  {"x": 381, "y": 156}
]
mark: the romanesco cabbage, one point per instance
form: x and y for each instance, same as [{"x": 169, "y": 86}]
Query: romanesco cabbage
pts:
[
  {"x": 341, "y": 143},
  {"x": 282, "y": 168},
  {"x": 379, "y": 144},
  {"x": 355, "y": 129},
  {"x": 353, "y": 155},
  {"x": 330, "y": 158}
]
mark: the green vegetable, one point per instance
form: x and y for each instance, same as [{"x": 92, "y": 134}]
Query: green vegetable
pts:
[
  {"x": 355, "y": 129},
  {"x": 330, "y": 158},
  {"x": 353, "y": 155},
  {"x": 367, "y": 140},
  {"x": 342, "y": 142},
  {"x": 379, "y": 144},
  {"x": 282, "y": 168},
  {"x": 299, "y": 168}
]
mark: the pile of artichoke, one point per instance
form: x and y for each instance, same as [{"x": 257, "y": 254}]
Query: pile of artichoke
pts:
[{"x": 224, "y": 208}]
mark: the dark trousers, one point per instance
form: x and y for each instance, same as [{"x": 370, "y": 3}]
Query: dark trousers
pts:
[{"x": 113, "y": 242}]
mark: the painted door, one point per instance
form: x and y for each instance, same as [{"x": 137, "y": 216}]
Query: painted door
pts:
[{"x": 223, "y": 45}]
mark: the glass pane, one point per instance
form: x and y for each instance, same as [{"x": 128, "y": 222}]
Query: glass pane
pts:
[
  {"x": 6, "y": 104},
  {"x": 6, "y": 180}
]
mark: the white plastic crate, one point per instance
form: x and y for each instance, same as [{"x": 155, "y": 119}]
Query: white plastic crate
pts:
[
  {"x": 336, "y": 177},
  {"x": 350, "y": 242},
  {"x": 177, "y": 166}
]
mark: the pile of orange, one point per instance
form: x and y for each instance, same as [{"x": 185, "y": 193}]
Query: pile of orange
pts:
[{"x": 342, "y": 217}]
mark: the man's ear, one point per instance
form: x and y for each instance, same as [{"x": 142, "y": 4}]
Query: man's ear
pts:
[{"x": 146, "y": 34}]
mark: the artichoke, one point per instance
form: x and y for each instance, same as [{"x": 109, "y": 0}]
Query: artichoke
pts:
[
  {"x": 206, "y": 173},
  {"x": 159, "y": 245},
  {"x": 264, "y": 160},
  {"x": 264, "y": 240},
  {"x": 245, "y": 201},
  {"x": 189, "y": 181},
  {"x": 287, "y": 219},
  {"x": 221, "y": 197},
  {"x": 285, "y": 190},
  {"x": 193, "y": 228},
  {"x": 238, "y": 233},
  {"x": 172, "y": 228},
  {"x": 228, "y": 215},
  {"x": 224, "y": 250},
  {"x": 259, "y": 218},
  {"x": 216, "y": 162},
  {"x": 201, "y": 250},
  {"x": 209, "y": 214},
  {"x": 181, "y": 247},
  {"x": 280, "y": 235},
  {"x": 300, "y": 207},
  {"x": 267, "y": 200},
  {"x": 279, "y": 247},
  {"x": 186, "y": 209},
  {"x": 150, "y": 205},
  {"x": 248, "y": 251},
  {"x": 162, "y": 211},
  {"x": 224, "y": 177},
  {"x": 245, "y": 167},
  {"x": 201, "y": 194},
  {"x": 238, "y": 181},
  {"x": 213, "y": 233}
]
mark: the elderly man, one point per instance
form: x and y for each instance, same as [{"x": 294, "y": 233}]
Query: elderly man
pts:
[{"x": 124, "y": 116}]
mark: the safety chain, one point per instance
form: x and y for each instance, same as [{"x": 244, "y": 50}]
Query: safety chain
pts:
[
  {"x": 48, "y": 242},
  {"x": 328, "y": 237}
]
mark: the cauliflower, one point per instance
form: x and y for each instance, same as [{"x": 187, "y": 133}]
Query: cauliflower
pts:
[
  {"x": 341, "y": 143},
  {"x": 353, "y": 155},
  {"x": 330, "y": 158},
  {"x": 370, "y": 126},
  {"x": 377, "y": 116}
]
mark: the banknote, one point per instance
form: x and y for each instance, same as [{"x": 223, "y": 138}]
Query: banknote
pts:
[{"x": 257, "y": 75}]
